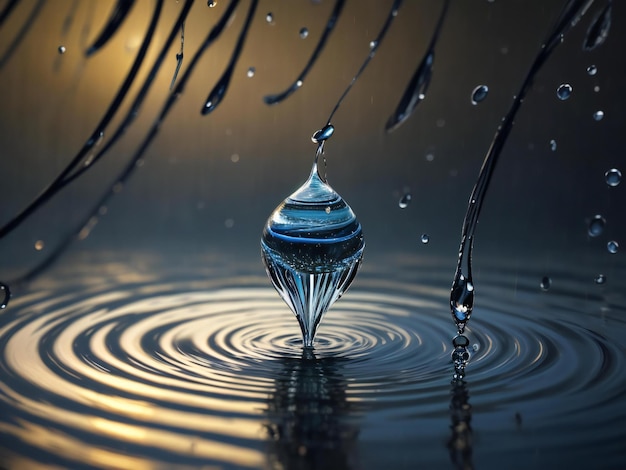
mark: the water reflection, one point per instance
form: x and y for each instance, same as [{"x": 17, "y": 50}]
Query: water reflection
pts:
[
  {"x": 460, "y": 444},
  {"x": 310, "y": 421}
]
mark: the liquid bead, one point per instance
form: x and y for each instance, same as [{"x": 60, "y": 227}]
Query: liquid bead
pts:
[
  {"x": 312, "y": 247},
  {"x": 461, "y": 300}
]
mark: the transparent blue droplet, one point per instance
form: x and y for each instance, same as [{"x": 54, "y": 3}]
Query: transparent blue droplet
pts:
[
  {"x": 592, "y": 70},
  {"x": 545, "y": 283},
  {"x": 598, "y": 115},
  {"x": 479, "y": 94},
  {"x": 425, "y": 238},
  {"x": 613, "y": 177},
  {"x": 404, "y": 201},
  {"x": 553, "y": 145},
  {"x": 600, "y": 279},
  {"x": 612, "y": 246},
  {"x": 564, "y": 91},
  {"x": 596, "y": 226}
]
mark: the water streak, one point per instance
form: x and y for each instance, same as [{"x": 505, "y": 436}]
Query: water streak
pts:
[
  {"x": 13, "y": 46},
  {"x": 118, "y": 15},
  {"x": 179, "y": 56},
  {"x": 599, "y": 29}
]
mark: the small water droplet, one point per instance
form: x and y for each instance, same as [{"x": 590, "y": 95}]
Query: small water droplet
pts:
[
  {"x": 596, "y": 88},
  {"x": 545, "y": 283},
  {"x": 460, "y": 341},
  {"x": 425, "y": 238},
  {"x": 404, "y": 201},
  {"x": 479, "y": 94},
  {"x": 475, "y": 347},
  {"x": 430, "y": 157},
  {"x": 304, "y": 33},
  {"x": 61, "y": 49},
  {"x": 234, "y": 157},
  {"x": 323, "y": 134},
  {"x": 5, "y": 293},
  {"x": 299, "y": 83},
  {"x": 229, "y": 223},
  {"x": 327, "y": 210},
  {"x": 373, "y": 44},
  {"x": 553, "y": 145},
  {"x": 269, "y": 18},
  {"x": 564, "y": 91},
  {"x": 39, "y": 245},
  {"x": 211, "y": 3},
  {"x": 596, "y": 226},
  {"x": 462, "y": 300},
  {"x": 598, "y": 115},
  {"x": 600, "y": 279},
  {"x": 592, "y": 70},
  {"x": 251, "y": 72},
  {"x": 613, "y": 177},
  {"x": 612, "y": 246}
]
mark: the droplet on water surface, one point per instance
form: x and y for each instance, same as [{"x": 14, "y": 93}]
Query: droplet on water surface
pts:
[
  {"x": 479, "y": 94},
  {"x": 404, "y": 201},
  {"x": 304, "y": 33},
  {"x": 553, "y": 145},
  {"x": 596, "y": 226},
  {"x": 592, "y": 70},
  {"x": 312, "y": 254},
  {"x": 545, "y": 283},
  {"x": 612, "y": 246},
  {"x": 613, "y": 177},
  {"x": 564, "y": 91},
  {"x": 598, "y": 115}
]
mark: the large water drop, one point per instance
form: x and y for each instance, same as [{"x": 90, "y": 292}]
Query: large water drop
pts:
[
  {"x": 564, "y": 91},
  {"x": 596, "y": 226},
  {"x": 311, "y": 253},
  {"x": 613, "y": 177},
  {"x": 479, "y": 94},
  {"x": 323, "y": 134}
]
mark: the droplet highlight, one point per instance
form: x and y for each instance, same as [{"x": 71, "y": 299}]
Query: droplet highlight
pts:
[
  {"x": 251, "y": 71},
  {"x": 598, "y": 115},
  {"x": 479, "y": 94},
  {"x": 592, "y": 70},
  {"x": 564, "y": 91},
  {"x": 613, "y": 177},
  {"x": 600, "y": 279},
  {"x": 404, "y": 201},
  {"x": 612, "y": 246},
  {"x": 425, "y": 238},
  {"x": 304, "y": 33},
  {"x": 61, "y": 49},
  {"x": 269, "y": 18},
  {"x": 596, "y": 226}
]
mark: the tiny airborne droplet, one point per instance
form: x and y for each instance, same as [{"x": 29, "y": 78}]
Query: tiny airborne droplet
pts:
[
  {"x": 39, "y": 245},
  {"x": 592, "y": 70},
  {"x": 251, "y": 72},
  {"x": 304, "y": 33},
  {"x": 612, "y": 246},
  {"x": 373, "y": 44},
  {"x": 596, "y": 226},
  {"x": 613, "y": 177},
  {"x": 404, "y": 201},
  {"x": 564, "y": 91},
  {"x": 269, "y": 18},
  {"x": 479, "y": 94},
  {"x": 61, "y": 49},
  {"x": 553, "y": 145},
  {"x": 425, "y": 238},
  {"x": 598, "y": 115},
  {"x": 600, "y": 279},
  {"x": 545, "y": 283}
]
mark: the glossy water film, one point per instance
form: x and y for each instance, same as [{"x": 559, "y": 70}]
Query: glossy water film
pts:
[{"x": 312, "y": 246}]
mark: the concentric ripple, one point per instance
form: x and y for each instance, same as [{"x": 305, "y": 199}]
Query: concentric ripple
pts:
[{"x": 148, "y": 372}]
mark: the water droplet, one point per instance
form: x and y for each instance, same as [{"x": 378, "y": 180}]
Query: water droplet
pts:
[
  {"x": 545, "y": 283},
  {"x": 5, "y": 294},
  {"x": 323, "y": 134},
  {"x": 425, "y": 238},
  {"x": 430, "y": 157},
  {"x": 373, "y": 44},
  {"x": 312, "y": 255},
  {"x": 234, "y": 157},
  {"x": 251, "y": 72},
  {"x": 299, "y": 83},
  {"x": 479, "y": 94},
  {"x": 596, "y": 88},
  {"x": 61, "y": 49},
  {"x": 211, "y": 3},
  {"x": 599, "y": 29},
  {"x": 460, "y": 356},
  {"x": 553, "y": 145},
  {"x": 592, "y": 70},
  {"x": 462, "y": 300},
  {"x": 600, "y": 279},
  {"x": 612, "y": 246},
  {"x": 269, "y": 18},
  {"x": 304, "y": 33},
  {"x": 327, "y": 210},
  {"x": 404, "y": 201},
  {"x": 596, "y": 226},
  {"x": 229, "y": 223},
  {"x": 564, "y": 91},
  {"x": 613, "y": 177},
  {"x": 598, "y": 115},
  {"x": 39, "y": 245},
  {"x": 460, "y": 341}
]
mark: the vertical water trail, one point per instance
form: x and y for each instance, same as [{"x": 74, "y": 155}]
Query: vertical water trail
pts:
[
  {"x": 462, "y": 291},
  {"x": 119, "y": 14},
  {"x": 330, "y": 26},
  {"x": 416, "y": 89},
  {"x": 63, "y": 178},
  {"x": 599, "y": 29},
  {"x": 219, "y": 91},
  {"x": 13, "y": 45},
  {"x": 179, "y": 56}
]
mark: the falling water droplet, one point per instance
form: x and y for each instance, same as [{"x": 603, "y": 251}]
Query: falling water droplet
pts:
[
  {"x": 323, "y": 134},
  {"x": 612, "y": 246},
  {"x": 564, "y": 91},
  {"x": 61, "y": 49},
  {"x": 600, "y": 279},
  {"x": 592, "y": 70},
  {"x": 299, "y": 83},
  {"x": 599, "y": 29},
  {"x": 211, "y": 3},
  {"x": 596, "y": 226},
  {"x": 373, "y": 44},
  {"x": 460, "y": 341},
  {"x": 545, "y": 283},
  {"x": 479, "y": 94},
  {"x": 269, "y": 18},
  {"x": 553, "y": 145},
  {"x": 613, "y": 177},
  {"x": 5, "y": 295},
  {"x": 251, "y": 72},
  {"x": 598, "y": 115},
  {"x": 404, "y": 201},
  {"x": 304, "y": 33},
  {"x": 425, "y": 238},
  {"x": 312, "y": 255},
  {"x": 461, "y": 300},
  {"x": 39, "y": 245}
]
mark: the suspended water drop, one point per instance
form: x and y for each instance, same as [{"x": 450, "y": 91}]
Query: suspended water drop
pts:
[
  {"x": 598, "y": 115},
  {"x": 430, "y": 157},
  {"x": 553, "y": 145},
  {"x": 304, "y": 33},
  {"x": 269, "y": 18},
  {"x": 425, "y": 238},
  {"x": 298, "y": 83},
  {"x": 600, "y": 279},
  {"x": 39, "y": 245},
  {"x": 461, "y": 300},
  {"x": 323, "y": 134},
  {"x": 251, "y": 72},
  {"x": 61, "y": 49},
  {"x": 564, "y": 91},
  {"x": 479, "y": 94},
  {"x": 596, "y": 88},
  {"x": 312, "y": 255},
  {"x": 613, "y": 177},
  {"x": 5, "y": 295},
  {"x": 460, "y": 341},
  {"x": 211, "y": 3},
  {"x": 599, "y": 29},
  {"x": 404, "y": 201},
  {"x": 234, "y": 157},
  {"x": 596, "y": 226},
  {"x": 592, "y": 70},
  {"x": 612, "y": 246},
  {"x": 545, "y": 283},
  {"x": 373, "y": 44}
]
